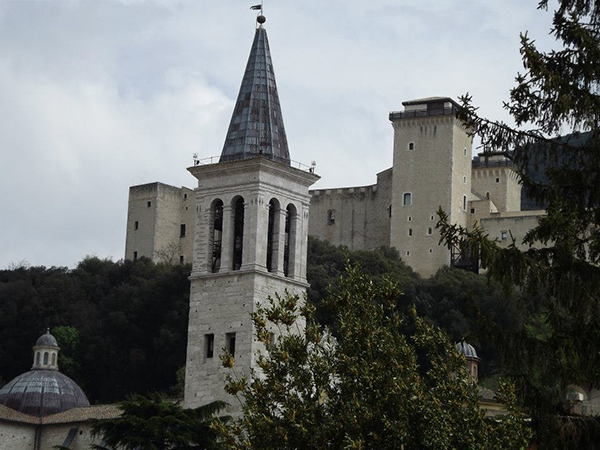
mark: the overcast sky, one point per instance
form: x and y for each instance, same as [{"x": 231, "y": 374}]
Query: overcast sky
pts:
[{"x": 99, "y": 95}]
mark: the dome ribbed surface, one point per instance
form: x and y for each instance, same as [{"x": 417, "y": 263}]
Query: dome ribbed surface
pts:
[
  {"x": 46, "y": 340},
  {"x": 467, "y": 349},
  {"x": 42, "y": 393}
]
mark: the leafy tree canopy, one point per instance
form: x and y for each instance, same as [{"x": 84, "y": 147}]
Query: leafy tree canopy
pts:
[{"x": 372, "y": 386}]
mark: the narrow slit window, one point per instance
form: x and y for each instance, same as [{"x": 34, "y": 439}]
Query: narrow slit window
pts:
[
  {"x": 429, "y": 231},
  {"x": 136, "y": 225},
  {"x": 411, "y": 145},
  {"x": 181, "y": 259},
  {"x": 410, "y": 232},
  {"x": 45, "y": 357},
  {"x": 209, "y": 345},
  {"x": 230, "y": 342},
  {"x": 273, "y": 235},
  {"x": 464, "y": 202},
  {"x": 135, "y": 256},
  {"x": 148, "y": 204},
  {"x": 182, "y": 230}
]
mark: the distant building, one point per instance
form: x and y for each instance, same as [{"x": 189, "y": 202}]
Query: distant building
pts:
[{"x": 43, "y": 408}]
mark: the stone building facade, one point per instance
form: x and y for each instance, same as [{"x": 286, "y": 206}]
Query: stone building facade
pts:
[
  {"x": 160, "y": 223},
  {"x": 251, "y": 234}
]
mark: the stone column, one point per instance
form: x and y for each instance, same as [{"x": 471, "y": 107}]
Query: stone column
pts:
[
  {"x": 227, "y": 239},
  {"x": 202, "y": 232},
  {"x": 256, "y": 224}
]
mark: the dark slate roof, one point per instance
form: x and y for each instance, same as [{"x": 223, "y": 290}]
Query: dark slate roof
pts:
[
  {"x": 466, "y": 349},
  {"x": 42, "y": 393},
  {"x": 46, "y": 340},
  {"x": 256, "y": 127}
]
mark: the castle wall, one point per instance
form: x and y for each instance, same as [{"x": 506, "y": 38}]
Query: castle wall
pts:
[
  {"x": 501, "y": 225},
  {"x": 55, "y": 434},
  {"x": 160, "y": 210},
  {"x": 432, "y": 163},
  {"x": 502, "y": 184},
  {"x": 361, "y": 215}
]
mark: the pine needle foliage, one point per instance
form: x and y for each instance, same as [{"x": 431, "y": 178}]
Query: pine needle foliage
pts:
[
  {"x": 558, "y": 92},
  {"x": 156, "y": 423},
  {"x": 373, "y": 386}
]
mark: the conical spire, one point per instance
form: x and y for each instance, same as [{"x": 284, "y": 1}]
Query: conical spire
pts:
[{"x": 256, "y": 127}]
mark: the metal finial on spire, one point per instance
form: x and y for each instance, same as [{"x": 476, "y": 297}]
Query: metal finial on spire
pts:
[{"x": 261, "y": 19}]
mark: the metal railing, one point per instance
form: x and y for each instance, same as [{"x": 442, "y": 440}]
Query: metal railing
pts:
[
  {"x": 423, "y": 113},
  {"x": 292, "y": 163}
]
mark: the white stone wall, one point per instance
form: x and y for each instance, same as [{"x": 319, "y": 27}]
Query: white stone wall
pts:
[
  {"x": 16, "y": 436},
  {"x": 433, "y": 173},
  {"x": 517, "y": 223},
  {"x": 55, "y": 434},
  {"x": 158, "y": 233},
  {"x": 221, "y": 302},
  {"x": 362, "y": 214},
  {"x": 502, "y": 184}
]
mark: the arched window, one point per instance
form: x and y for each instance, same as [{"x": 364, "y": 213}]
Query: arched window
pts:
[
  {"x": 273, "y": 235},
  {"x": 53, "y": 359},
  {"x": 238, "y": 232},
  {"x": 407, "y": 199},
  {"x": 45, "y": 357},
  {"x": 37, "y": 358},
  {"x": 289, "y": 253},
  {"x": 217, "y": 235},
  {"x": 411, "y": 145}
]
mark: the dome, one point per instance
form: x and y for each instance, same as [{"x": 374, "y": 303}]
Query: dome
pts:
[
  {"x": 42, "y": 393},
  {"x": 46, "y": 340},
  {"x": 466, "y": 349}
]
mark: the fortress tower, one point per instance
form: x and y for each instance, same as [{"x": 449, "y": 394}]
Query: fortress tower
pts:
[
  {"x": 432, "y": 168},
  {"x": 251, "y": 232}
]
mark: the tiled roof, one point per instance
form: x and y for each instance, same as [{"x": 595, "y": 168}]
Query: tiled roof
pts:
[
  {"x": 73, "y": 415},
  {"x": 256, "y": 127},
  {"x": 85, "y": 413}
]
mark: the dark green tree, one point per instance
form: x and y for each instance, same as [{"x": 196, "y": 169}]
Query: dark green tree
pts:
[
  {"x": 559, "y": 91},
  {"x": 154, "y": 423},
  {"x": 372, "y": 386}
]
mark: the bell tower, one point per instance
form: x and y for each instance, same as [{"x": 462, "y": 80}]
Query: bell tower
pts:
[{"x": 251, "y": 232}]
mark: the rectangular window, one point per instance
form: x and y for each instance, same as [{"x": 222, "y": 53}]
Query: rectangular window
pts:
[
  {"x": 182, "y": 230},
  {"x": 472, "y": 210},
  {"x": 136, "y": 225},
  {"x": 149, "y": 204},
  {"x": 331, "y": 217},
  {"x": 230, "y": 343},
  {"x": 134, "y": 256},
  {"x": 429, "y": 231},
  {"x": 410, "y": 231},
  {"x": 181, "y": 259},
  {"x": 497, "y": 180},
  {"x": 185, "y": 196},
  {"x": 504, "y": 235},
  {"x": 209, "y": 345}
]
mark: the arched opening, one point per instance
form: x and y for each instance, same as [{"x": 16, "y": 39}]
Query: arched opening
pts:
[
  {"x": 289, "y": 253},
  {"x": 216, "y": 235},
  {"x": 238, "y": 232},
  {"x": 45, "y": 357},
  {"x": 407, "y": 199},
  {"x": 37, "y": 358},
  {"x": 53, "y": 359},
  {"x": 273, "y": 235}
]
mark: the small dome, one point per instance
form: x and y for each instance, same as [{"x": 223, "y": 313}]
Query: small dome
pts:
[
  {"x": 46, "y": 340},
  {"x": 42, "y": 393},
  {"x": 466, "y": 349}
]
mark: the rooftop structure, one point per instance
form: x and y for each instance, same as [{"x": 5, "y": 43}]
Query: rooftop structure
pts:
[{"x": 256, "y": 127}]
